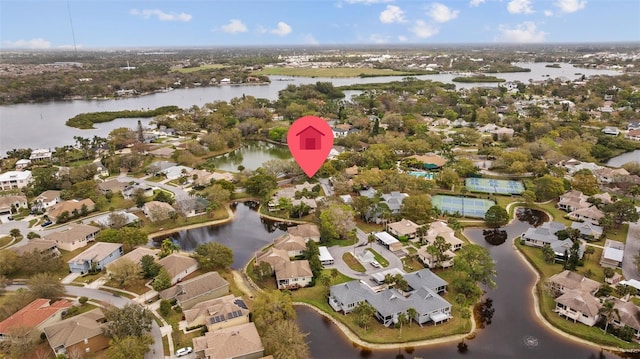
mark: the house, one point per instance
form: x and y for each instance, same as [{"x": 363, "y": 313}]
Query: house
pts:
[
  {"x": 610, "y": 130},
  {"x": 157, "y": 211},
  {"x": 441, "y": 229},
  {"x": 135, "y": 256},
  {"x": 608, "y": 175},
  {"x": 11, "y": 204},
  {"x": 113, "y": 185},
  {"x": 325, "y": 257},
  {"x": 404, "y": 227},
  {"x": 633, "y": 135},
  {"x": 35, "y": 315},
  {"x": 73, "y": 236},
  {"x": 72, "y": 207},
  {"x": 40, "y": 155},
  {"x": 573, "y": 200},
  {"x": 46, "y": 199},
  {"x": 203, "y": 287},
  {"x": 294, "y": 245},
  {"x": 45, "y": 247},
  {"x": 612, "y": 254},
  {"x": 572, "y": 281},
  {"x": 308, "y": 231},
  {"x": 224, "y": 312},
  {"x": 15, "y": 180},
  {"x": 394, "y": 200},
  {"x": 546, "y": 234},
  {"x": 389, "y": 241},
  {"x": 178, "y": 266},
  {"x": 430, "y": 261},
  {"x": 588, "y": 230},
  {"x": 633, "y": 125},
  {"x": 95, "y": 258},
  {"x": 310, "y": 138},
  {"x": 339, "y": 132},
  {"x": 79, "y": 334},
  {"x": 578, "y": 306},
  {"x": 238, "y": 342},
  {"x": 159, "y": 166},
  {"x": 105, "y": 220},
  {"x": 132, "y": 190},
  {"x": 163, "y": 152},
  {"x": 629, "y": 315},
  {"x": 430, "y": 162},
  {"x": 22, "y": 164},
  {"x": 293, "y": 274},
  {"x": 175, "y": 172},
  {"x": 589, "y": 214},
  {"x": 422, "y": 295}
]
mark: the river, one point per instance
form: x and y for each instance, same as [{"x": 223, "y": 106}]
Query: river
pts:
[
  {"x": 627, "y": 157},
  {"x": 42, "y": 125},
  {"x": 515, "y": 331}
]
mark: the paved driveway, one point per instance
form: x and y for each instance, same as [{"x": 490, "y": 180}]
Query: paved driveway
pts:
[
  {"x": 631, "y": 249},
  {"x": 337, "y": 252},
  {"x": 179, "y": 193}
]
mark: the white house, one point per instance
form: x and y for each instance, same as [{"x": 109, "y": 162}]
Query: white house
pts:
[{"x": 15, "y": 180}]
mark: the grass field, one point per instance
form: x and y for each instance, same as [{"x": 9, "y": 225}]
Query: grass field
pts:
[
  {"x": 352, "y": 262},
  {"x": 330, "y": 72},
  {"x": 380, "y": 259},
  {"x": 187, "y": 70}
]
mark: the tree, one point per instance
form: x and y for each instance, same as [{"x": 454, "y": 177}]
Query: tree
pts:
[
  {"x": 117, "y": 220},
  {"x": 162, "y": 280},
  {"x": 260, "y": 184},
  {"x": 609, "y": 312},
  {"x": 129, "y": 237},
  {"x": 364, "y": 313},
  {"x": 270, "y": 307},
  {"x": 15, "y": 233},
  {"x": 475, "y": 261},
  {"x": 130, "y": 320},
  {"x": 284, "y": 340},
  {"x": 402, "y": 319},
  {"x": 609, "y": 272},
  {"x": 496, "y": 216},
  {"x": 438, "y": 249},
  {"x": 529, "y": 197},
  {"x": 149, "y": 266},
  {"x": 412, "y": 314},
  {"x": 167, "y": 247},
  {"x": 447, "y": 179},
  {"x": 213, "y": 256},
  {"x": 622, "y": 211},
  {"x": 548, "y": 187},
  {"x": 263, "y": 270},
  {"x": 573, "y": 259},
  {"x": 9, "y": 262},
  {"x": 585, "y": 182},
  {"x": 336, "y": 221},
  {"x": 45, "y": 285},
  {"x": 416, "y": 208},
  {"x": 165, "y": 307},
  {"x": 124, "y": 272},
  {"x": 548, "y": 253},
  {"x": 129, "y": 347}
]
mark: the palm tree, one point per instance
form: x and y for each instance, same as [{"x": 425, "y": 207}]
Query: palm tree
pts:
[
  {"x": 422, "y": 231},
  {"x": 609, "y": 311},
  {"x": 370, "y": 239},
  {"x": 402, "y": 319},
  {"x": 412, "y": 314}
]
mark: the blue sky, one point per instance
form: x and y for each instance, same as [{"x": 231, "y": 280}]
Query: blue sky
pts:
[{"x": 117, "y": 23}]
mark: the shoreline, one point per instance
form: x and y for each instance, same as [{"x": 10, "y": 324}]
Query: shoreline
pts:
[{"x": 164, "y": 232}]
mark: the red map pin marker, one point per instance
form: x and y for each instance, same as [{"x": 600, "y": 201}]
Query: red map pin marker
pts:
[{"x": 310, "y": 140}]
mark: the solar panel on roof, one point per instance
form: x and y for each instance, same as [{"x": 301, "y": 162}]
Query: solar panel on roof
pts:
[{"x": 240, "y": 303}]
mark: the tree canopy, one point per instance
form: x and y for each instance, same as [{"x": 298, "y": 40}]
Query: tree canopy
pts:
[{"x": 213, "y": 256}]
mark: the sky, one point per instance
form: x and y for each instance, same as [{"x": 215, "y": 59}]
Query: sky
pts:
[{"x": 96, "y": 24}]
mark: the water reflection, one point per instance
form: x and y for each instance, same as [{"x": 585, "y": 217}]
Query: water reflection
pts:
[{"x": 251, "y": 156}]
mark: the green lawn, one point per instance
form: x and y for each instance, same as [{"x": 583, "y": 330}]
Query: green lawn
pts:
[
  {"x": 369, "y": 227},
  {"x": 150, "y": 227},
  {"x": 5, "y": 240},
  {"x": 186, "y": 70},
  {"x": 380, "y": 259},
  {"x": 330, "y": 72},
  {"x": 557, "y": 214},
  {"x": 137, "y": 286},
  {"x": 352, "y": 262},
  {"x": 411, "y": 264},
  {"x": 547, "y": 304}
]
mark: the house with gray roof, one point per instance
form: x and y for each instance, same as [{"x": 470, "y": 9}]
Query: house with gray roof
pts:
[
  {"x": 203, "y": 287},
  {"x": 612, "y": 254},
  {"x": 97, "y": 257},
  {"x": 422, "y": 295},
  {"x": 588, "y": 230},
  {"x": 546, "y": 234}
]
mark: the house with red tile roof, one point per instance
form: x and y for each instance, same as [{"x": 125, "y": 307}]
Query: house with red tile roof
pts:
[{"x": 37, "y": 314}]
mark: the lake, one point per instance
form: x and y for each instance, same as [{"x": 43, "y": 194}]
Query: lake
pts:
[
  {"x": 42, "y": 125},
  {"x": 251, "y": 155},
  {"x": 627, "y": 157},
  {"x": 515, "y": 331}
]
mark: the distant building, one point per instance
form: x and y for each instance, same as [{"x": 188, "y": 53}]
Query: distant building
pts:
[{"x": 15, "y": 180}]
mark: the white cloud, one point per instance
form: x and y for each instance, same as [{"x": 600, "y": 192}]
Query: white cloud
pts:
[
  {"x": 476, "y": 2},
  {"x": 33, "y": 44},
  {"x": 525, "y": 32},
  {"x": 423, "y": 30},
  {"x": 310, "y": 40},
  {"x": 569, "y": 6},
  {"x": 161, "y": 15},
  {"x": 403, "y": 38},
  {"x": 548, "y": 13},
  {"x": 441, "y": 13},
  {"x": 234, "y": 26},
  {"x": 368, "y": 2},
  {"x": 392, "y": 14},
  {"x": 69, "y": 47},
  {"x": 520, "y": 7},
  {"x": 283, "y": 29},
  {"x": 379, "y": 39}
]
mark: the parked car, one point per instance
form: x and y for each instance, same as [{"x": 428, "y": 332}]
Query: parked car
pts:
[
  {"x": 183, "y": 351},
  {"x": 375, "y": 264},
  {"x": 47, "y": 223}
]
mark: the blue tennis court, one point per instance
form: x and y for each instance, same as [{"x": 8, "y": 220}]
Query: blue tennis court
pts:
[
  {"x": 486, "y": 185},
  {"x": 425, "y": 175},
  {"x": 468, "y": 207}
]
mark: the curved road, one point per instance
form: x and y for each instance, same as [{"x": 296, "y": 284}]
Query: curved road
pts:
[
  {"x": 631, "y": 250},
  {"x": 106, "y": 297}
]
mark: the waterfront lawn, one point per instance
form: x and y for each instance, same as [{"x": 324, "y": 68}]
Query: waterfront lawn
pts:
[
  {"x": 218, "y": 214},
  {"x": 379, "y": 258},
  {"x": 268, "y": 283},
  {"x": 557, "y": 214},
  {"x": 352, "y": 262},
  {"x": 547, "y": 304}
]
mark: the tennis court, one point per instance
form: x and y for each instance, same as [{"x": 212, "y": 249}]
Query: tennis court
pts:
[
  {"x": 425, "y": 175},
  {"x": 486, "y": 185},
  {"x": 468, "y": 207}
]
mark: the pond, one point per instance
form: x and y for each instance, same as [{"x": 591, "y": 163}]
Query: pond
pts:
[
  {"x": 515, "y": 331},
  {"x": 627, "y": 157},
  {"x": 245, "y": 235},
  {"x": 251, "y": 155}
]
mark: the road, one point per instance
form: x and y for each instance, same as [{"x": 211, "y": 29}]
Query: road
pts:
[
  {"x": 179, "y": 193},
  {"x": 631, "y": 249},
  {"x": 106, "y": 297}
]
